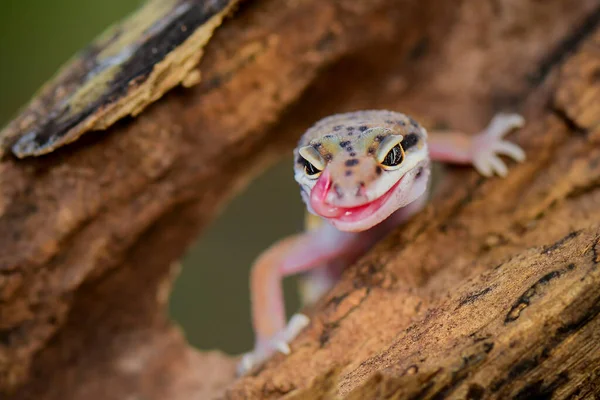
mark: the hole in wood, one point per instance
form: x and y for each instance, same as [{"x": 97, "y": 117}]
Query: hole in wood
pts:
[{"x": 211, "y": 299}]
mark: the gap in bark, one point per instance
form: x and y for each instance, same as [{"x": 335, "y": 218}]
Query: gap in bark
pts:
[{"x": 211, "y": 299}]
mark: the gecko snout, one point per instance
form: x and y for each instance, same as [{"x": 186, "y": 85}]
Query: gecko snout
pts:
[{"x": 346, "y": 194}]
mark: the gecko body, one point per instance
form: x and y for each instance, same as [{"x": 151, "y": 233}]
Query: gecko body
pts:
[{"x": 361, "y": 174}]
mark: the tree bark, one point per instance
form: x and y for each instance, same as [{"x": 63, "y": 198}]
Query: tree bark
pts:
[{"x": 492, "y": 292}]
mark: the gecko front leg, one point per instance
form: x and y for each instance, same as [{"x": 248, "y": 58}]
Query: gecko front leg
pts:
[
  {"x": 293, "y": 255},
  {"x": 481, "y": 150},
  {"x": 310, "y": 251}
]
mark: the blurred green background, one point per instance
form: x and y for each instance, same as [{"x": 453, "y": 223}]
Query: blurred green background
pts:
[{"x": 211, "y": 298}]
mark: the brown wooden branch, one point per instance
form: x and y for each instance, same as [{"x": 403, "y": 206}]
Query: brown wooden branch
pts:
[{"x": 493, "y": 291}]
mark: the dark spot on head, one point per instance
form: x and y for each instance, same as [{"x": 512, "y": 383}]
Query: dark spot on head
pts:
[
  {"x": 344, "y": 143},
  {"x": 349, "y": 148},
  {"x": 348, "y": 173},
  {"x": 328, "y": 157},
  {"x": 329, "y": 137},
  {"x": 400, "y": 122},
  {"x": 300, "y": 160},
  {"x": 337, "y": 127},
  {"x": 351, "y": 162},
  {"x": 409, "y": 141},
  {"x": 378, "y": 138},
  {"x": 316, "y": 145},
  {"x": 371, "y": 150},
  {"x": 413, "y": 122},
  {"x": 349, "y": 128},
  {"x": 389, "y": 122},
  {"x": 378, "y": 170},
  {"x": 353, "y": 154},
  {"x": 363, "y": 128}
]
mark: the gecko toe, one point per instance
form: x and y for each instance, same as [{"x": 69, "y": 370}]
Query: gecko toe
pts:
[
  {"x": 510, "y": 150},
  {"x": 502, "y": 124},
  {"x": 277, "y": 343},
  {"x": 296, "y": 324},
  {"x": 482, "y": 167},
  {"x": 498, "y": 166},
  {"x": 282, "y": 347}
]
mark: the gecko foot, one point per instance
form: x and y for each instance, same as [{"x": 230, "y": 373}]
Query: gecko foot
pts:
[
  {"x": 489, "y": 144},
  {"x": 279, "y": 342}
]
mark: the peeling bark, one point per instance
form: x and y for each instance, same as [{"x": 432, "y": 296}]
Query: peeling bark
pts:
[{"x": 492, "y": 291}]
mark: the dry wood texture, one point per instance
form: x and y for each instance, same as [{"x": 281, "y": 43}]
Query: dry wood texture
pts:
[{"x": 493, "y": 291}]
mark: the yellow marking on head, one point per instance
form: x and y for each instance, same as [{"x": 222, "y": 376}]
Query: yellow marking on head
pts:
[{"x": 311, "y": 155}]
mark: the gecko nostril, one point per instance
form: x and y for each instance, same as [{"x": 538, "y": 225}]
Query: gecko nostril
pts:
[{"x": 360, "y": 191}]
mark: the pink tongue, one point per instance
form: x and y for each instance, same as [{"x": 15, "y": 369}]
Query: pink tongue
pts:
[
  {"x": 318, "y": 196},
  {"x": 318, "y": 202}
]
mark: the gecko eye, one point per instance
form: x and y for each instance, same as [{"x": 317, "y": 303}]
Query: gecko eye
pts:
[
  {"x": 313, "y": 162},
  {"x": 390, "y": 153},
  {"x": 394, "y": 157},
  {"x": 310, "y": 170}
]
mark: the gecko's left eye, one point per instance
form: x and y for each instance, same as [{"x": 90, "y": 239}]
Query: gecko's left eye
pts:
[{"x": 394, "y": 157}]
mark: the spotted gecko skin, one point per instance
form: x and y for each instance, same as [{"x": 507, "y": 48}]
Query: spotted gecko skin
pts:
[{"x": 349, "y": 149}]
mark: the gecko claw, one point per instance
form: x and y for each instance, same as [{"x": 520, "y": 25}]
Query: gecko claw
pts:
[
  {"x": 489, "y": 144},
  {"x": 296, "y": 324},
  {"x": 503, "y": 123},
  {"x": 283, "y": 347},
  {"x": 279, "y": 342}
]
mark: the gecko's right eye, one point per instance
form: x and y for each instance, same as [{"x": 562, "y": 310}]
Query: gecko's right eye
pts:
[
  {"x": 310, "y": 170},
  {"x": 394, "y": 157},
  {"x": 313, "y": 162}
]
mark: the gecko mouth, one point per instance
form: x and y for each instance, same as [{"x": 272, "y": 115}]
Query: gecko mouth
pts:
[{"x": 348, "y": 214}]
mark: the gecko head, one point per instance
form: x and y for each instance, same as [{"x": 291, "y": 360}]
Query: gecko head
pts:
[{"x": 356, "y": 176}]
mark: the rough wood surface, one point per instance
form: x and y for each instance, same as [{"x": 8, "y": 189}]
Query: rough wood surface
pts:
[
  {"x": 122, "y": 72},
  {"x": 493, "y": 291}
]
